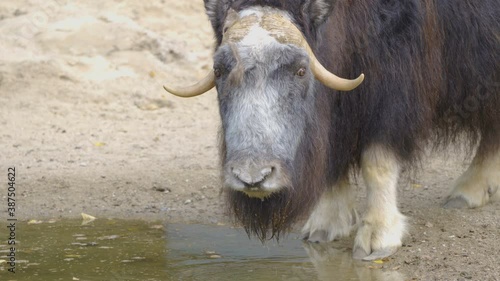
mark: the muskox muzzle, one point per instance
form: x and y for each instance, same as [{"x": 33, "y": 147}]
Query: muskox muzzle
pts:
[{"x": 257, "y": 179}]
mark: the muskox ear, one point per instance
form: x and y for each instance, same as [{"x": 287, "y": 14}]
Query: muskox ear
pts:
[
  {"x": 216, "y": 12},
  {"x": 211, "y": 8},
  {"x": 318, "y": 11}
]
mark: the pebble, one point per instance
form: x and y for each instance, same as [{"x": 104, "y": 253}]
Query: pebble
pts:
[
  {"x": 162, "y": 189},
  {"x": 425, "y": 257},
  {"x": 188, "y": 201},
  {"x": 429, "y": 225},
  {"x": 158, "y": 188}
]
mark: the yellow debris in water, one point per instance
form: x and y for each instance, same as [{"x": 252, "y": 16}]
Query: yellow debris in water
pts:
[
  {"x": 99, "y": 144},
  {"x": 35, "y": 222},
  {"x": 87, "y": 218},
  {"x": 378, "y": 261},
  {"x": 374, "y": 267}
]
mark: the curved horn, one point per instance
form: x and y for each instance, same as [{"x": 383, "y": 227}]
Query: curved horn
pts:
[
  {"x": 329, "y": 79},
  {"x": 333, "y": 81},
  {"x": 197, "y": 89},
  {"x": 284, "y": 31}
]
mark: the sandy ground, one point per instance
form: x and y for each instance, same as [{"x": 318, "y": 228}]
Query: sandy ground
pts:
[{"x": 87, "y": 126}]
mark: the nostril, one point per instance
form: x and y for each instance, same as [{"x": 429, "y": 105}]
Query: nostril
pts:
[
  {"x": 266, "y": 171},
  {"x": 236, "y": 171},
  {"x": 252, "y": 176}
]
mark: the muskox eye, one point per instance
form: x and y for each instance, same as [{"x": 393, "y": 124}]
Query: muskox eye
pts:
[
  {"x": 301, "y": 72},
  {"x": 217, "y": 72}
]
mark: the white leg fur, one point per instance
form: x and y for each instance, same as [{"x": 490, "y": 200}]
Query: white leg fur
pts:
[
  {"x": 334, "y": 215},
  {"x": 383, "y": 226},
  {"x": 478, "y": 185}
]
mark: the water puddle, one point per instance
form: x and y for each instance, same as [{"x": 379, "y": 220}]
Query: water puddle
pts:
[{"x": 115, "y": 250}]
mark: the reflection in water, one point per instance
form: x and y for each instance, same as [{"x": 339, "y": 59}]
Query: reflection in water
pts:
[
  {"x": 115, "y": 250},
  {"x": 238, "y": 258},
  {"x": 337, "y": 264}
]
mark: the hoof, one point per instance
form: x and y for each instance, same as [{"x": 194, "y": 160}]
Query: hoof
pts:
[
  {"x": 456, "y": 203},
  {"x": 360, "y": 254},
  {"x": 319, "y": 236}
]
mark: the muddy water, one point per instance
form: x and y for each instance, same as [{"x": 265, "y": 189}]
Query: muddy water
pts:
[{"x": 136, "y": 250}]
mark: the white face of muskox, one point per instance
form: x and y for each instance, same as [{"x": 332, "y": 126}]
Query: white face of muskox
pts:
[
  {"x": 265, "y": 72},
  {"x": 262, "y": 86}
]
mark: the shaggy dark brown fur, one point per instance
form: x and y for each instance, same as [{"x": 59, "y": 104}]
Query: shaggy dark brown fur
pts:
[{"x": 432, "y": 73}]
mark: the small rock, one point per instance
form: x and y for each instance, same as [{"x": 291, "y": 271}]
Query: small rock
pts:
[
  {"x": 215, "y": 256},
  {"x": 161, "y": 189},
  {"x": 466, "y": 275},
  {"x": 429, "y": 225},
  {"x": 18, "y": 12},
  {"x": 188, "y": 201},
  {"x": 425, "y": 257}
]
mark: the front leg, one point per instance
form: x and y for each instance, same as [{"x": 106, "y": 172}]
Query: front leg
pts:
[
  {"x": 334, "y": 216},
  {"x": 383, "y": 226}
]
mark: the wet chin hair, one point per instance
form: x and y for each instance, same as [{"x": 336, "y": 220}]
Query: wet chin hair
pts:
[{"x": 270, "y": 217}]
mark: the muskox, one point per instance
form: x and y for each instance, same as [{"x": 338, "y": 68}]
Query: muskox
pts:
[{"x": 293, "y": 132}]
